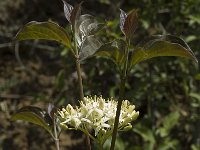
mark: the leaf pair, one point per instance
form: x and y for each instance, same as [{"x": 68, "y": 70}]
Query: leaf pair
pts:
[
  {"x": 37, "y": 116},
  {"x": 84, "y": 28},
  {"x": 116, "y": 51},
  {"x": 154, "y": 46}
]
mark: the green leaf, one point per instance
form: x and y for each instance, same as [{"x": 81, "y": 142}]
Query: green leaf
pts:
[
  {"x": 168, "y": 144},
  {"x": 168, "y": 123},
  {"x": 197, "y": 76},
  {"x": 34, "y": 115},
  {"x": 195, "y": 95},
  {"x": 43, "y": 30},
  {"x": 195, "y": 19},
  {"x": 161, "y": 45},
  {"x": 195, "y": 147},
  {"x": 114, "y": 51},
  {"x": 146, "y": 133},
  {"x": 128, "y": 23}
]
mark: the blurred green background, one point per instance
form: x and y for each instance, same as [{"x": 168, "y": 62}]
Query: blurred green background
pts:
[{"x": 165, "y": 90}]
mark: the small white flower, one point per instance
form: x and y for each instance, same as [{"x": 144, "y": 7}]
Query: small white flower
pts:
[{"x": 98, "y": 114}]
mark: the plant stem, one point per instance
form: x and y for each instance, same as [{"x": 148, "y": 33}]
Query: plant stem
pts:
[
  {"x": 100, "y": 147},
  {"x": 123, "y": 77},
  {"x": 114, "y": 135},
  {"x": 56, "y": 139},
  {"x": 57, "y": 144},
  {"x": 78, "y": 68}
]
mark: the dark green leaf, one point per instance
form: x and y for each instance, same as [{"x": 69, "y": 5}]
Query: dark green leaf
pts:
[
  {"x": 162, "y": 45},
  {"x": 168, "y": 144},
  {"x": 146, "y": 133},
  {"x": 114, "y": 51},
  {"x": 34, "y": 115},
  {"x": 90, "y": 45},
  {"x": 106, "y": 51},
  {"x": 197, "y": 76},
  {"x": 67, "y": 10},
  {"x": 43, "y": 30},
  {"x": 130, "y": 24}
]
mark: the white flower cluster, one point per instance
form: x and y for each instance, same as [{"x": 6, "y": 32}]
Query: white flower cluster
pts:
[{"x": 98, "y": 114}]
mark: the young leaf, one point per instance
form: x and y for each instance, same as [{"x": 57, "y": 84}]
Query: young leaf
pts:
[
  {"x": 43, "y": 30},
  {"x": 67, "y": 10},
  {"x": 90, "y": 45},
  {"x": 78, "y": 33},
  {"x": 33, "y": 115},
  {"x": 162, "y": 45},
  {"x": 75, "y": 14},
  {"x": 90, "y": 27},
  {"x": 86, "y": 25},
  {"x": 51, "y": 109},
  {"x": 123, "y": 16},
  {"x": 128, "y": 26}
]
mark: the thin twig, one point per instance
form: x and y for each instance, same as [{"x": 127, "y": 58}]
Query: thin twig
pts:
[
  {"x": 4, "y": 96},
  {"x": 19, "y": 58},
  {"x": 5, "y": 45}
]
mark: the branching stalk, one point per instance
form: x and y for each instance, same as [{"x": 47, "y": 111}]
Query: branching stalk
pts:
[{"x": 123, "y": 77}]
